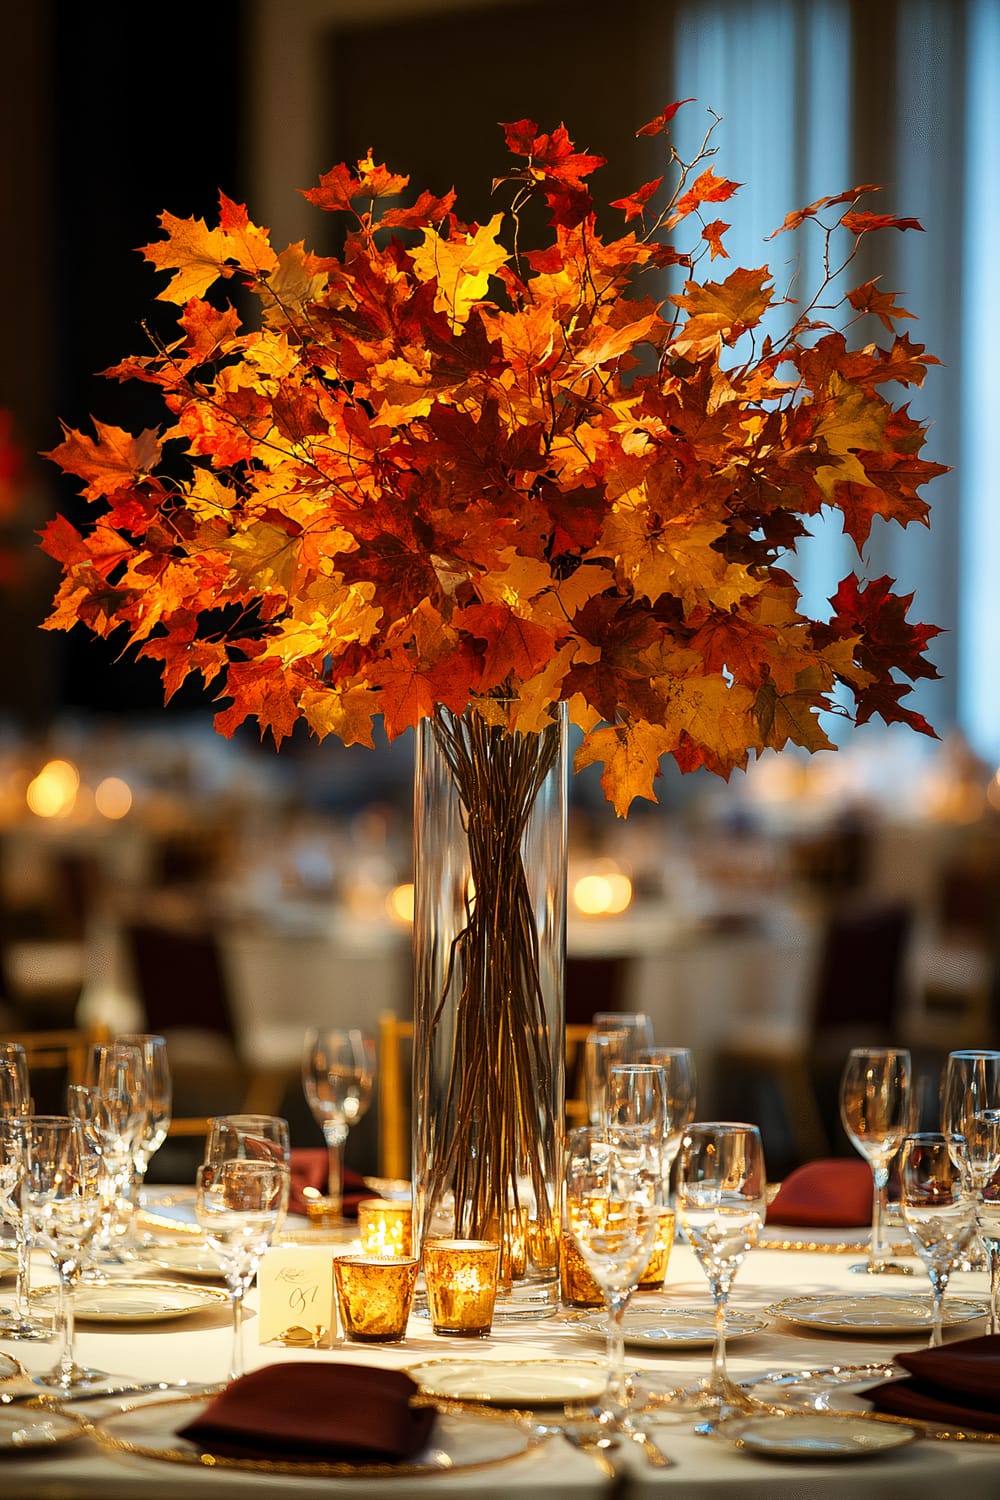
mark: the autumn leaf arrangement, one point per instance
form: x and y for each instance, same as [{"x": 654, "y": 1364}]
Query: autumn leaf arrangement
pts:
[{"x": 443, "y": 468}]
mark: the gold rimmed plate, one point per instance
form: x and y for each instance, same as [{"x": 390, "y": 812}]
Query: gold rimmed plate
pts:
[
  {"x": 680, "y": 1327},
  {"x": 140, "y": 1301},
  {"x": 9, "y": 1367},
  {"x": 814, "y": 1437},
  {"x": 32, "y": 1429},
  {"x": 876, "y": 1313},
  {"x": 472, "y": 1440},
  {"x": 515, "y": 1383},
  {"x": 823, "y": 1388}
]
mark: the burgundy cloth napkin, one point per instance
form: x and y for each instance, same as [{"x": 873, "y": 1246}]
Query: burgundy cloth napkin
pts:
[
  {"x": 325, "y": 1412},
  {"x": 832, "y": 1193},
  {"x": 310, "y": 1168},
  {"x": 956, "y": 1385}
]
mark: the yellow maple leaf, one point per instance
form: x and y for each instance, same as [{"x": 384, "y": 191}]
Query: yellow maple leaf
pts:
[
  {"x": 197, "y": 255},
  {"x": 631, "y": 757},
  {"x": 853, "y": 422},
  {"x": 344, "y": 712},
  {"x": 462, "y": 266}
]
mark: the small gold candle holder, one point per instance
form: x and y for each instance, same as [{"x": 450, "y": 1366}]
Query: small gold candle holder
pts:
[
  {"x": 461, "y": 1277},
  {"x": 374, "y": 1296},
  {"x": 385, "y": 1227},
  {"x": 655, "y": 1273},
  {"x": 577, "y": 1286}
]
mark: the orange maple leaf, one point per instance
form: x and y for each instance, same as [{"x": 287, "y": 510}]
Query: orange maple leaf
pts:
[{"x": 112, "y": 463}]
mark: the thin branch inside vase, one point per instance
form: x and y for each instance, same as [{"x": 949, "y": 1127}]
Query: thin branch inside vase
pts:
[{"x": 499, "y": 1090}]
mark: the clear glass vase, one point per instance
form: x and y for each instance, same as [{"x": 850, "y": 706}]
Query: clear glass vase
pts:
[{"x": 489, "y": 957}]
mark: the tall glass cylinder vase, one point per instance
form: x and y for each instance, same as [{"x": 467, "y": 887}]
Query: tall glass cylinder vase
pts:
[{"x": 489, "y": 957}]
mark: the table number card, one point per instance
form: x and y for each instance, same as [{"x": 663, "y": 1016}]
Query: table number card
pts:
[{"x": 296, "y": 1297}]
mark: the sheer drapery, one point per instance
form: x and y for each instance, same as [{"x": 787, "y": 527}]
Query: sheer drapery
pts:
[{"x": 818, "y": 97}]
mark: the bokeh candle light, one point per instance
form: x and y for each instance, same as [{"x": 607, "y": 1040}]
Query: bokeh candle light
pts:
[{"x": 385, "y": 1227}]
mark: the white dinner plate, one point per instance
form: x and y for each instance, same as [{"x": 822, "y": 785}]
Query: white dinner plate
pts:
[
  {"x": 826, "y": 1388},
  {"x": 814, "y": 1436},
  {"x": 9, "y": 1367},
  {"x": 511, "y": 1382},
  {"x": 140, "y": 1301},
  {"x": 189, "y": 1260},
  {"x": 875, "y": 1313},
  {"x": 470, "y": 1441},
  {"x": 680, "y": 1327}
]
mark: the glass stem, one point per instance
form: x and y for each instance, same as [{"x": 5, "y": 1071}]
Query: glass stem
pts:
[
  {"x": 236, "y": 1355},
  {"x": 877, "y": 1252},
  {"x": 616, "y": 1398},
  {"x": 335, "y": 1135},
  {"x": 67, "y": 1323},
  {"x": 993, "y": 1261},
  {"x": 720, "y": 1376},
  {"x": 937, "y": 1291},
  {"x": 22, "y": 1286}
]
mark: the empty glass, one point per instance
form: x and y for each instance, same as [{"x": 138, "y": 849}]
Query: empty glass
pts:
[
  {"x": 16, "y": 1321},
  {"x": 680, "y": 1084},
  {"x": 875, "y": 1108},
  {"x": 338, "y": 1072},
  {"x": 602, "y": 1050},
  {"x": 938, "y": 1210},
  {"x": 160, "y": 1101},
  {"x": 637, "y": 1026}
]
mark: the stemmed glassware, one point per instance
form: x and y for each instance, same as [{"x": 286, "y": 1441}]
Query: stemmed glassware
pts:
[
  {"x": 16, "y": 1321},
  {"x": 721, "y": 1201},
  {"x": 612, "y": 1193},
  {"x": 636, "y": 1096},
  {"x": 986, "y": 1136},
  {"x": 680, "y": 1082},
  {"x": 602, "y": 1050},
  {"x": 116, "y": 1115},
  {"x": 61, "y": 1201},
  {"x": 338, "y": 1072},
  {"x": 875, "y": 1107},
  {"x": 638, "y": 1028},
  {"x": 938, "y": 1210},
  {"x": 159, "y": 1099},
  {"x": 239, "y": 1204},
  {"x": 970, "y": 1084}
]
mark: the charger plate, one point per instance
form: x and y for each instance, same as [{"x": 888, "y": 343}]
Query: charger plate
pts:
[
  {"x": 139, "y": 1301},
  {"x": 465, "y": 1442},
  {"x": 874, "y": 1313},
  {"x": 824, "y": 1388},
  {"x": 27, "y": 1429},
  {"x": 814, "y": 1437},
  {"x": 679, "y": 1327},
  {"x": 515, "y": 1383}
]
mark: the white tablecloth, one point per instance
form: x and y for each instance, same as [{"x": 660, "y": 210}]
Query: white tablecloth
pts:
[{"x": 197, "y": 1348}]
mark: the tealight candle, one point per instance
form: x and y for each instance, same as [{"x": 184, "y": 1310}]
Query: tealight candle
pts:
[
  {"x": 655, "y": 1273},
  {"x": 385, "y": 1227},
  {"x": 374, "y": 1296},
  {"x": 461, "y": 1277}
]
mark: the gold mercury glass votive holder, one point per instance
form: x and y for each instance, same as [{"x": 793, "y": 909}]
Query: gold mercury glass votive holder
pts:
[
  {"x": 655, "y": 1273},
  {"x": 577, "y": 1286},
  {"x": 374, "y": 1296},
  {"x": 385, "y": 1227},
  {"x": 461, "y": 1280}
]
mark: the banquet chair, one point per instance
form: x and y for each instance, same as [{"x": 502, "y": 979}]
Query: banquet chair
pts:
[{"x": 393, "y": 1090}]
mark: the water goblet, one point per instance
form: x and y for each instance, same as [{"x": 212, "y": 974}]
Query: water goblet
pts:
[
  {"x": 338, "y": 1071},
  {"x": 875, "y": 1108},
  {"x": 970, "y": 1083},
  {"x": 119, "y": 1118},
  {"x": 982, "y": 1144},
  {"x": 15, "y": 1086},
  {"x": 721, "y": 1201},
  {"x": 637, "y": 1026},
  {"x": 612, "y": 1189},
  {"x": 938, "y": 1210},
  {"x": 61, "y": 1200},
  {"x": 239, "y": 1204},
  {"x": 16, "y": 1321},
  {"x": 636, "y": 1096}
]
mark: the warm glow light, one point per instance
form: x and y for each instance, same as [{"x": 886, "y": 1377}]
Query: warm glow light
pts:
[
  {"x": 993, "y": 791},
  {"x": 52, "y": 793},
  {"x": 399, "y": 903},
  {"x": 602, "y": 895},
  {"x": 113, "y": 797}
]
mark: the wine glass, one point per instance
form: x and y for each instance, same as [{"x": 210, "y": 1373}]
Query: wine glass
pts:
[
  {"x": 986, "y": 1135},
  {"x": 118, "y": 1117},
  {"x": 15, "y": 1321},
  {"x": 970, "y": 1083},
  {"x": 15, "y": 1086},
  {"x": 611, "y": 1195},
  {"x": 637, "y": 1026},
  {"x": 602, "y": 1050},
  {"x": 875, "y": 1109},
  {"x": 160, "y": 1099},
  {"x": 338, "y": 1071},
  {"x": 61, "y": 1200},
  {"x": 239, "y": 1204},
  {"x": 636, "y": 1096},
  {"x": 721, "y": 1202},
  {"x": 680, "y": 1092},
  {"x": 938, "y": 1210}
]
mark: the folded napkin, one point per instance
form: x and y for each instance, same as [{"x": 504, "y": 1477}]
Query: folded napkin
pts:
[
  {"x": 832, "y": 1193},
  {"x": 310, "y": 1167},
  {"x": 955, "y": 1385},
  {"x": 326, "y": 1412}
]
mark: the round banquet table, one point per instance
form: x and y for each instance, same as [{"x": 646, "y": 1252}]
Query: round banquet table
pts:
[{"x": 196, "y": 1348}]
